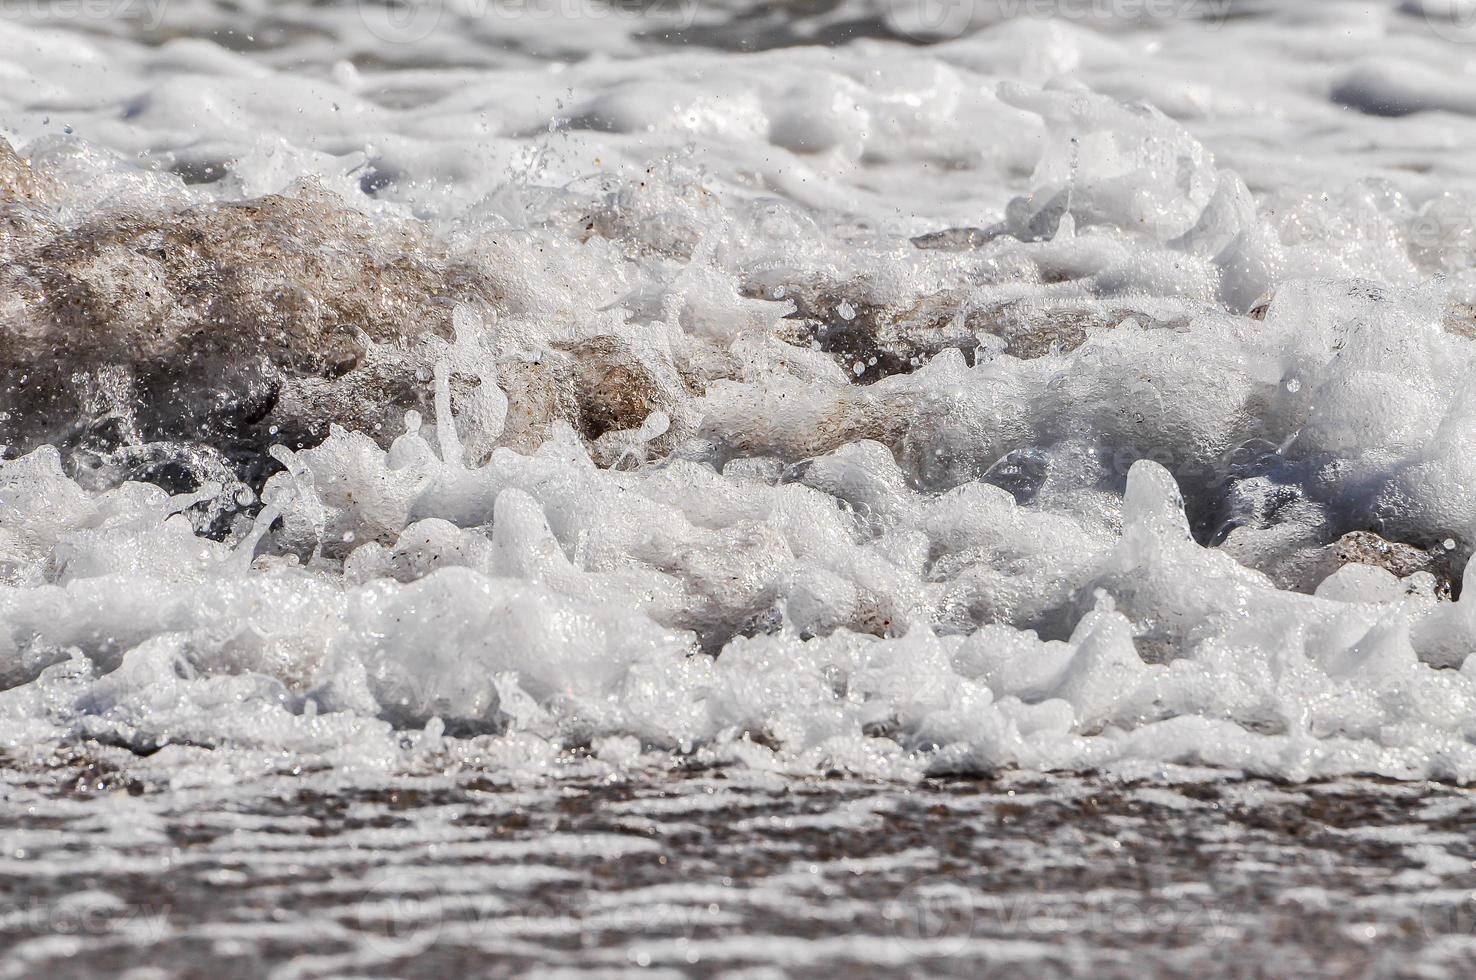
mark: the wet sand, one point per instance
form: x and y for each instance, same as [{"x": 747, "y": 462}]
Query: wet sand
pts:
[{"x": 736, "y": 873}]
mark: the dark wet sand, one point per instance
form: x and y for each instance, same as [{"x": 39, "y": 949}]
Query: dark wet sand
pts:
[{"x": 741, "y": 874}]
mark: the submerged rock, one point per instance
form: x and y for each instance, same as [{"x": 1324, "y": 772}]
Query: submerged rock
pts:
[
  {"x": 872, "y": 340},
  {"x": 18, "y": 182},
  {"x": 179, "y": 345},
  {"x": 1460, "y": 321},
  {"x": 617, "y": 386},
  {"x": 956, "y": 239},
  {"x": 1401, "y": 560},
  {"x": 191, "y": 325}
]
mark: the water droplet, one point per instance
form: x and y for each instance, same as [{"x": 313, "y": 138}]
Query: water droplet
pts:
[
  {"x": 1294, "y": 385},
  {"x": 846, "y": 310}
]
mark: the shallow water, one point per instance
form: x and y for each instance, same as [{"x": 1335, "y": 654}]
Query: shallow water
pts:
[
  {"x": 517, "y": 404},
  {"x": 739, "y": 874}
]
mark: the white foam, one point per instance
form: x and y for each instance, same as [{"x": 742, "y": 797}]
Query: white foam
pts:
[{"x": 783, "y": 566}]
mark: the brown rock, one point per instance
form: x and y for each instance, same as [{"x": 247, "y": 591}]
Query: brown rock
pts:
[
  {"x": 957, "y": 239},
  {"x": 1403, "y": 560},
  {"x": 18, "y": 182},
  {"x": 192, "y": 325},
  {"x": 294, "y": 277},
  {"x": 617, "y": 387},
  {"x": 888, "y": 339},
  {"x": 1460, "y": 321},
  {"x": 539, "y": 393}
]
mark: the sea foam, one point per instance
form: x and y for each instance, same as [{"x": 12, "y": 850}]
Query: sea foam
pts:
[{"x": 884, "y": 409}]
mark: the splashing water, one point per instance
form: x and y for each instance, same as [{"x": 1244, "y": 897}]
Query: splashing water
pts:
[{"x": 887, "y": 409}]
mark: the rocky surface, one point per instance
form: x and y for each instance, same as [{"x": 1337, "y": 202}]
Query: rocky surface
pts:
[
  {"x": 18, "y": 182},
  {"x": 1400, "y": 560},
  {"x": 143, "y": 327},
  {"x": 223, "y": 329},
  {"x": 873, "y": 339}
]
